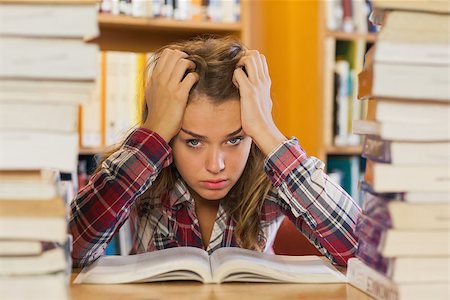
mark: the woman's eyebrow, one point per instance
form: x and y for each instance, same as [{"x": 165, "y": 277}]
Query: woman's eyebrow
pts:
[{"x": 202, "y": 137}]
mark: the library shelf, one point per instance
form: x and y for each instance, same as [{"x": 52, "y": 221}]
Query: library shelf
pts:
[
  {"x": 344, "y": 150},
  {"x": 351, "y": 36}
]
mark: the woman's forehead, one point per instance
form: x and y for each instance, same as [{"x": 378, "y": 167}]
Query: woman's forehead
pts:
[{"x": 210, "y": 119}]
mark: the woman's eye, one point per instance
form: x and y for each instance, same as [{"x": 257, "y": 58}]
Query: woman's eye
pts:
[
  {"x": 193, "y": 143},
  {"x": 235, "y": 141}
]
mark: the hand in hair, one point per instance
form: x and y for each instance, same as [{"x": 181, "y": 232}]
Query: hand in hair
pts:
[
  {"x": 168, "y": 92},
  {"x": 256, "y": 104}
]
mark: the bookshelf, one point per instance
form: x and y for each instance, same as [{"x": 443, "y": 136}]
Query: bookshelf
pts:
[
  {"x": 126, "y": 33},
  {"x": 342, "y": 58}
]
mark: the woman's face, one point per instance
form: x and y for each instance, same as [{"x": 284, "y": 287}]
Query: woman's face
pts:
[{"x": 211, "y": 150}]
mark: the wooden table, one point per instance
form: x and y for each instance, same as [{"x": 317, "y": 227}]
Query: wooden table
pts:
[{"x": 229, "y": 291}]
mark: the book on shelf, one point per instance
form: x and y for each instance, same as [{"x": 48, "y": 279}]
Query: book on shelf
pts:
[
  {"x": 399, "y": 178},
  {"x": 404, "y": 269},
  {"x": 402, "y": 153},
  {"x": 403, "y": 215},
  {"x": 393, "y": 242},
  {"x": 42, "y": 17},
  {"x": 223, "y": 265},
  {"x": 348, "y": 16},
  {"x": 380, "y": 287},
  {"x": 349, "y": 169}
]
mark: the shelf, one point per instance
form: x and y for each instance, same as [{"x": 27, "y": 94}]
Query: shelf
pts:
[
  {"x": 125, "y": 33},
  {"x": 344, "y": 150},
  {"x": 91, "y": 151},
  {"x": 121, "y": 21},
  {"x": 351, "y": 36}
]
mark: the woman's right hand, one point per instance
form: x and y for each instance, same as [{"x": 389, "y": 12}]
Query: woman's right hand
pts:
[{"x": 167, "y": 93}]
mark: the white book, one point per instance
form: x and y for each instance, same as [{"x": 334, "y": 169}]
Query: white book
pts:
[
  {"x": 427, "y": 197},
  {"x": 412, "y": 242},
  {"x": 32, "y": 58},
  {"x": 393, "y": 110},
  {"x": 19, "y": 248},
  {"x": 224, "y": 265},
  {"x": 49, "y": 261},
  {"x": 387, "y": 178},
  {"x": 49, "y": 20},
  {"x": 16, "y": 115},
  {"x": 44, "y": 287},
  {"x": 408, "y": 81},
  {"x": 403, "y": 131},
  {"x": 47, "y": 91},
  {"x": 29, "y": 185},
  {"x": 38, "y": 150},
  {"x": 419, "y": 269},
  {"x": 34, "y": 228},
  {"x": 412, "y": 53},
  {"x": 380, "y": 287}
]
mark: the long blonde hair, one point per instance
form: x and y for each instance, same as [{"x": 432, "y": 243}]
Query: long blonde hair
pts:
[{"x": 216, "y": 59}]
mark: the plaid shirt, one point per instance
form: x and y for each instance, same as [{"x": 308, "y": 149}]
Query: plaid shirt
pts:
[{"x": 301, "y": 191}]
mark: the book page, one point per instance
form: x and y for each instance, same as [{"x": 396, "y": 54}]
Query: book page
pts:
[
  {"x": 235, "y": 264},
  {"x": 181, "y": 263}
]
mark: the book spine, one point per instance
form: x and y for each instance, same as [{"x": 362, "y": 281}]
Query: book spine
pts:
[
  {"x": 371, "y": 282},
  {"x": 370, "y": 230},
  {"x": 376, "y": 207},
  {"x": 376, "y": 149},
  {"x": 368, "y": 254}
]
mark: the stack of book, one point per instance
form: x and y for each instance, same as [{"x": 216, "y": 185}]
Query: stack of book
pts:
[
  {"x": 403, "y": 232},
  {"x": 46, "y": 71}
]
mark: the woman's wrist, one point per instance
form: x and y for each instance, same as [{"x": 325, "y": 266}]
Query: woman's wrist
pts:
[
  {"x": 268, "y": 139},
  {"x": 161, "y": 132}
]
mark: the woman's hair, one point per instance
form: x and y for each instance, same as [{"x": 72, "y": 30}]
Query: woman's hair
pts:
[{"x": 216, "y": 59}]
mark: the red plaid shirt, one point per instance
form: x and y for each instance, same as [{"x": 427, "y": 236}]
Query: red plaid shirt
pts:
[{"x": 301, "y": 191}]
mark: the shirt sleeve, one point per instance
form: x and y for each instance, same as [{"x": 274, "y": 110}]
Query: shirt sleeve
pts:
[
  {"x": 319, "y": 208},
  {"x": 102, "y": 206}
]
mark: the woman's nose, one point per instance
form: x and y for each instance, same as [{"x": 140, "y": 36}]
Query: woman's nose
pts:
[{"x": 215, "y": 162}]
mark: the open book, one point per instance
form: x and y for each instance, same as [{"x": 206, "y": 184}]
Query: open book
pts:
[{"x": 224, "y": 265}]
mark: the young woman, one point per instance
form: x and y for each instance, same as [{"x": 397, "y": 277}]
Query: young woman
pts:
[{"x": 208, "y": 167}]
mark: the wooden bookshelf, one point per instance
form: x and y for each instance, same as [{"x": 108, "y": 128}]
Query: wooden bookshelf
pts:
[
  {"x": 126, "y": 33},
  {"x": 91, "y": 151},
  {"x": 352, "y": 36},
  {"x": 346, "y": 150},
  {"x": 132, "y": 23}
]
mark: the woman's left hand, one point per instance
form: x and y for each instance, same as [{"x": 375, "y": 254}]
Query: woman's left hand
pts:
[{"x": 256, "y": 103}]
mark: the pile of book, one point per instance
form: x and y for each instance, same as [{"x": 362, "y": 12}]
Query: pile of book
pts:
[
  {"x": 46, "y": 71},
  {"x": 403, "y": 232}
]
